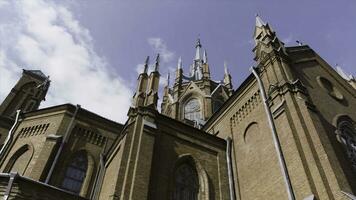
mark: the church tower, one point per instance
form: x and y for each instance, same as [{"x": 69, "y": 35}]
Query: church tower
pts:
[
  {"x": 27, "y": 94},
  {"x": 194, "y": 97}
]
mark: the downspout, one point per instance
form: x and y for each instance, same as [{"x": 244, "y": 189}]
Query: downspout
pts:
[
  {"x": 99, "y": 179},
  {"x": 276, "y": 142},
  {"x": 64, "y": 141},
  {"x": 99, "y": 175},
  {"x": 229, "y": 168},
  {"x": 9, "y": 136}
]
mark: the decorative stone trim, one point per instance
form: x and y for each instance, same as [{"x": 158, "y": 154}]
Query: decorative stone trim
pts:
[
  {"x": 89, "y": 135},
  {"x": 34, "y": 130},
  {"x": 247, "y": 108}
]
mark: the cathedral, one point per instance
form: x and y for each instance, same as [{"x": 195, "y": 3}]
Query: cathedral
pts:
[{"x": 287, "y": 132}]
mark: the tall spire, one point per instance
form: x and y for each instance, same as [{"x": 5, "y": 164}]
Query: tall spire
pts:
[
  {"x": 140, "y": 94},
  {"x": 227, "y": 79},
  {"x": 205, "y": 57},
  {"x": 266, "y": 40},
  {"x": 180, "y": 63},
  {"x": 198, "y": 49},
  {"x": 259, "y": 21},
  {"x": 157, "y": 63},
  {"x": 225, "y": 68},
  {"x": 145, "y": 69},
  {"x": 168, "y": 78}
]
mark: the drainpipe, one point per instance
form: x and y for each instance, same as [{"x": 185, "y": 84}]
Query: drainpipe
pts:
[
  {"x": 64, "y": 141},
  {"x": 229, "y": 168},
  {"x": 276, "y": 142},
  {"x": 9, "y": 136},
  {"x": 99, "y": 179}
]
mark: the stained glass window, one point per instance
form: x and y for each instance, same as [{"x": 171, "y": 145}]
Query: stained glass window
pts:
[
  {"x": 186, "y": 183},
  {"x": 75, "y": 173},
  {"x": 192, "y": 110}
]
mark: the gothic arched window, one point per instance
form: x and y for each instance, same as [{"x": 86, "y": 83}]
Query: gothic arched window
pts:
[
  {"x": 75, "y": 173},
  {"x": 186, "y": 183},
  {"x": 346, "y": 135},
  {"x": 192, "y": 110}
]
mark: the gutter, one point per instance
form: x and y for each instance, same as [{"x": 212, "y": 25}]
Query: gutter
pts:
[
  {"x": 64, "y": 141},
  {"x": 277, "y": 145},
  {"x": 229, "y": 168},
  {"x": 9, "y": 136}
]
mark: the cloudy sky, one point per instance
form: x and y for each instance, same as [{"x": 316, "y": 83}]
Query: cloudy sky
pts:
[{"x": 93, "y": 49}]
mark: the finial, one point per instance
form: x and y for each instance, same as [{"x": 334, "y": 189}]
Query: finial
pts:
[
  {"x": 180, "y": 62},
  {"x": 145, "y": 69},
  {"x": 157, "y": 63},
  {"x": 205, "y": 57},
  {"x": 259, "y": 21}
]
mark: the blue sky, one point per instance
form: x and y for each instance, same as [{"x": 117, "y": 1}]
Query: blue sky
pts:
[{"x": 92, "y": 49}]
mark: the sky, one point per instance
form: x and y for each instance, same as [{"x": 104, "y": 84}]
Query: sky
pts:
[{"x": 93, "y": 50}]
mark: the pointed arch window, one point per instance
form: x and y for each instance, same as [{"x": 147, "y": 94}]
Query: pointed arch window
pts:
[
  {"x": 346, "y": 135},
  {"x": 186, "y": 183},
  {"x": 75, "y": 173},
  {"x": 192, "y": 110}
]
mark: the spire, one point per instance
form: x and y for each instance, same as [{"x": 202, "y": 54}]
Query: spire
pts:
[
  {"x": 180, "y": 63},
  {"x": 198, "y": 48},
  {"x": 168, "y": 78},
  {"x": 227, "y": 79},
  {"x": 259, "y": 21},
  {"x": 146, "y": 65},
  {"x": 205, "y": 57},
  {"x": 225, "y": 68},
  {"x": 139, "y": 96},
  {"x": 266, "y": 40},
  {"x": 157, "y": 63}
]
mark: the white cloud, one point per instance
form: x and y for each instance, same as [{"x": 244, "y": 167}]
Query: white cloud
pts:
[
  {"x": 159, "y": 46},
  {"x": 45, "y": 35}
]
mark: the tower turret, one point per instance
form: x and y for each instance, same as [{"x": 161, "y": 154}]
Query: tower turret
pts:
[
  {"x": 266, "y": 40},
  {"x": 227, "y": 79},
  {"x": 193, "y": 95},
  {"x": 27, "y": 94},
  {"x": 140, "y": 95},
  {"x": 153, "y": 84}
]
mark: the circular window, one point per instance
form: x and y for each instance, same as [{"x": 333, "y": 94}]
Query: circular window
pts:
[{"x": 330, "y": 88}]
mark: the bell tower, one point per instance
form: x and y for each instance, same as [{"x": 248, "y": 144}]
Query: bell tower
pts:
[
  {"x": 27, "y": 94},
  {"x": 195, "y": 97}
]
